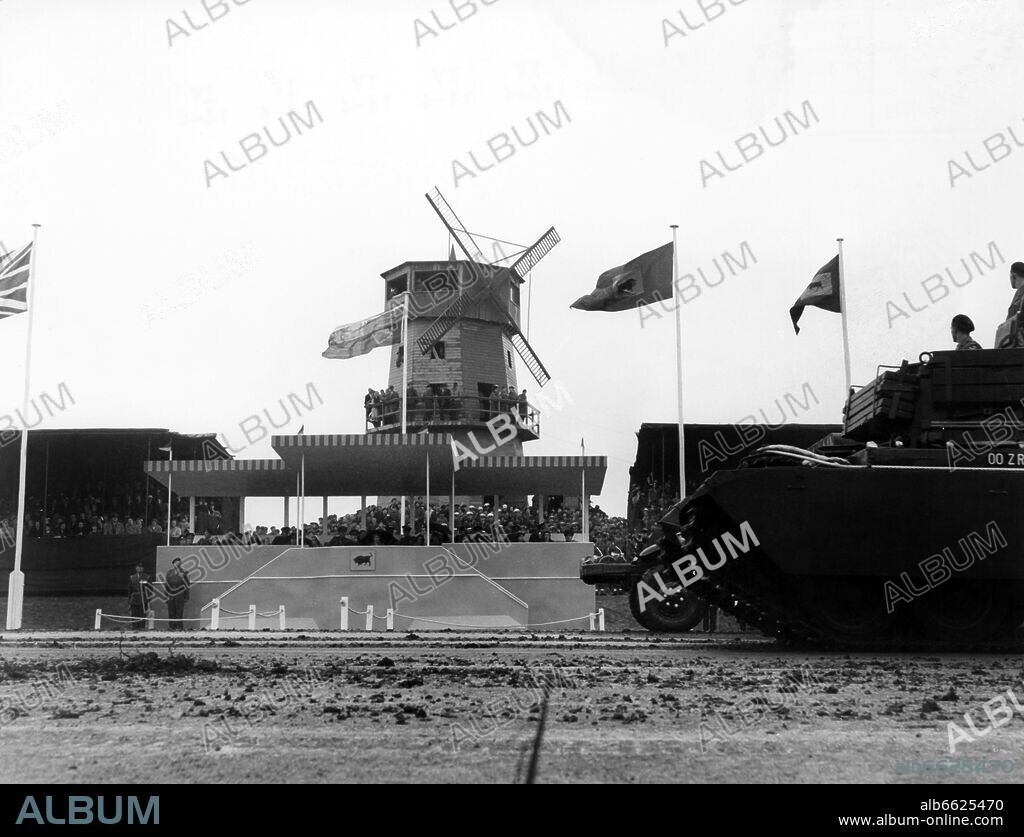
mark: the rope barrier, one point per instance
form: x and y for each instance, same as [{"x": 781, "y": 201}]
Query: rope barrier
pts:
[
  {"x": 114, "y": 618},
  {"x": 236, "y": 613}
]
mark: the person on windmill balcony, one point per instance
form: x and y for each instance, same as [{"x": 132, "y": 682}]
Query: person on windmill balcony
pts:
[
  {"x": 455, "y": 402},
  {"x": 368, "y": 405},
  {"x": 494, "y": 402},
  {"x": 444, "y": 403},
  {"x": 412, "y": 399}
]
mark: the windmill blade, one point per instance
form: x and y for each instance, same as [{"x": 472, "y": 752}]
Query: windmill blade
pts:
[
  {"x": 455, "y": 226},
  {"x": 526, "y": 352},
  {"x": 535, "y": 252}
]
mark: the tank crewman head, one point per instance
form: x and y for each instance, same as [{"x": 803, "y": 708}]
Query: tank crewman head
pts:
[
  {"x": 960, "y": 329},
  {"x": 1017, "y": 275}
]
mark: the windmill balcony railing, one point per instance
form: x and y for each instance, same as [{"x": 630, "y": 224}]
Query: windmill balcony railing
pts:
[{"x": 439, "y": 410}]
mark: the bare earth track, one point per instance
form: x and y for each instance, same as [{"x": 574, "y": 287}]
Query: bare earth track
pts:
[{"x": 624, "y": 707}]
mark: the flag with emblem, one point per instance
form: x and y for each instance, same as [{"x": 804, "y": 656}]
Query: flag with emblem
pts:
[
  {"x": 823, "y": 292},
  {"x": 642, "y": 281},
  {"x": 14, "y": 273}
]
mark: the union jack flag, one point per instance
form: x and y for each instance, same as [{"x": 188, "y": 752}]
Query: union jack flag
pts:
[{"x": 14, "y": 282}]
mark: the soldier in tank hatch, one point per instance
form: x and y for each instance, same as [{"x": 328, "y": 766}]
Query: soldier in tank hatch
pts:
[{"x": 961, "y": 329}]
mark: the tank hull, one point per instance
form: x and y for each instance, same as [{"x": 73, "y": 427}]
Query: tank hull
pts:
[
  {"x": 876, "y": 522},
  {"x": 856, "y": 557}
]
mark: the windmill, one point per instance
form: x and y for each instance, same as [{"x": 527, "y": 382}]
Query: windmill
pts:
[{"x": 487, "y": 281}]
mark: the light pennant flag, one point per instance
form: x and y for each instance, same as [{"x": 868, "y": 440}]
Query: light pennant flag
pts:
[
  {"x": 360, "y": 338},
  {"x": 14, "y": 283}
]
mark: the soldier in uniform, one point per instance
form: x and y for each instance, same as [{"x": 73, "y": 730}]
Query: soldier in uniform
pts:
[
  {"x": 961, "y": 329},
  {"x": 138, "y": 596},
  {"x": 1017, "y": 283},
  {"x": 177, "y": 586}
]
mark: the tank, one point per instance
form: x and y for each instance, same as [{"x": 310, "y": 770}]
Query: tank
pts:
[{"x": 905, "y": 529}]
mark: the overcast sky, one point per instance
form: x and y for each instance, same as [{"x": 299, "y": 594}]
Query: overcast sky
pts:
[{"x": 105, "y": 127}]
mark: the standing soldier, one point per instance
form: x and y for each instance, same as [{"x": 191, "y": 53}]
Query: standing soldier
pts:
[
  {"x": 177, "y": 586},
  {"x": 138, "y": 596},
  {"x": 1015, "y": 338}
]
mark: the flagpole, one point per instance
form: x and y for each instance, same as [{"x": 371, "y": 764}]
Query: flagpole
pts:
[
  {"x": 451, "y": 501},
  {"x": 842, "y": 305},
  {"x": 679, "y": 361},
  {"x": 16, "y": 580},
  {"x": 302, "y": 505},
  {"x": 583, "y": 494},
  {"x": 426, "y": 511},
  {"x": 405, "y": 383}
]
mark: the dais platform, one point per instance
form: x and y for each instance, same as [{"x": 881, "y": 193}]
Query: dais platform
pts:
[{"x": 451, "y": 585}]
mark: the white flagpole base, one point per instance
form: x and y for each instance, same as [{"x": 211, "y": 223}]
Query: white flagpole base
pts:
[{"x": 15, "y": 599}]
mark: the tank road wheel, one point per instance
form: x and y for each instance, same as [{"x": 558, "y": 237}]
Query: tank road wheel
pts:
[
  {"x": 847, "y": 609},
  {"x": 965, "y": 612},
  {"x": 678, "y": 612}
]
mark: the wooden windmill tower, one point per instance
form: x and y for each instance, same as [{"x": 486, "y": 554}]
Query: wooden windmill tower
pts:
[{"x": 464, "y": 329}]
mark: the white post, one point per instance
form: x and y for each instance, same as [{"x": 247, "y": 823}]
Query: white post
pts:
[
  {"x": 593, "y": 621},
  {"x": 99, "y": 618},
  {"x": 600, "y": 619},
  {"x": 252, "y": 617},
  {"x": 369, "y": 617},
  {"x": 324, "y": 532},
  {"x": 192, "y": 514},
  {"x": 540, "y": 507},
  {"x": 280, "y": 617},
  {"x": 285, "y": 511},
  {"x": 241, "y": 515},
  {"x": 426, "y": 511},
  {"x": 344, "y": 612},
  {"x": 151, "y": 620},
  {"x": 215, "y": 616},
  {"x": 390, "y": 620},
  {"x": 842, "y": 305},
  {"x": 362, "y": 513},
  {"x": 679, "y": 361},
  {"x": 451, "y": 508},
  {"x": 16, "y": 580}
]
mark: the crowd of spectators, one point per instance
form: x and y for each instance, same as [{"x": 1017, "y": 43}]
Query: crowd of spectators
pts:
[
  {"x": 443, "y": 403},
  {"x": 648, "y": 504},
  {"x": 90, "y": 509},
  {"x": 468, "y": 522}
]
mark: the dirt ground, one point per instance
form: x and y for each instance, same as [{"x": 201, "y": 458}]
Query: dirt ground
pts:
[{"x": 76, "y": 707}]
